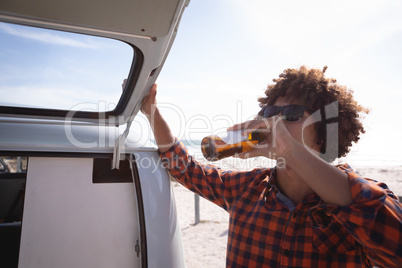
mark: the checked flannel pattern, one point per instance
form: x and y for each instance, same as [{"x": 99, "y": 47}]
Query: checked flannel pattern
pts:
[{"x": 263, "y": 232}]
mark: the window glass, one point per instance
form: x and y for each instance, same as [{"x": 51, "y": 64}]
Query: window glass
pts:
[
  {"x": 42, "y": 68},
  {"x": 12, "y": 164},
  {"x": 2, "y": 166},
  {"x": 12, "y": 190}
]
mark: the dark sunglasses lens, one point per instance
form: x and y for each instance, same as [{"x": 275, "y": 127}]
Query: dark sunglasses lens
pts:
[
  {"x": 270, "y": 111},
  {"x": 293, "y": 113}
]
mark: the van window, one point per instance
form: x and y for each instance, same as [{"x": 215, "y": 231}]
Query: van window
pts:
[
  {"x": 48, "y": 69},
  {"x": 12, "y": 188},
  {"x": 3, "y": 167},
  {"x": 13, "y": 164}
]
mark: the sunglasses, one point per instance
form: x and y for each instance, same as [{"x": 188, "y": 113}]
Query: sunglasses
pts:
[{"x": 291, "y": 113}]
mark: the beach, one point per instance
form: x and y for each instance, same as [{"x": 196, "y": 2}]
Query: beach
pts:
[
  {"x": 205, "y": 243},
  {"x": 391, "y": 176}
]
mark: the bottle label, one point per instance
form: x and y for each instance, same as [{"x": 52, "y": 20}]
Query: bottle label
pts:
[{"x": 233, "y": 137}]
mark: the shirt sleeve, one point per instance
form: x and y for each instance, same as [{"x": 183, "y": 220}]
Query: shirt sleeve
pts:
[
  {"x": 219, "y": 186},
  {"x": 374, "y": 219}
]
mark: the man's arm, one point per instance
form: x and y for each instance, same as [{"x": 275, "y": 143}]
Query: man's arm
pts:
[
  {"x": 163, "y": 136},
  {"x": 330, "y": 183}
]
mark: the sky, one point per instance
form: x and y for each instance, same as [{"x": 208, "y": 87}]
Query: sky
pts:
[
  {"x": 225, "y": 54},
  {"x": 60, "y": 70}
]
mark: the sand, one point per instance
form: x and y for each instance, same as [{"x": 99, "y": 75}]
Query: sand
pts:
[
  {"x": 205, "y": 243},
  {"x": 392, "y": 176}
]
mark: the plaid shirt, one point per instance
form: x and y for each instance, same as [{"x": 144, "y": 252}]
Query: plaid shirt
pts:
[{"x": 263, "y": 232}]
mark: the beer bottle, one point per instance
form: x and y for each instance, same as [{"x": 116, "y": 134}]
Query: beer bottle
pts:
[{"x": 215, "y": 148}]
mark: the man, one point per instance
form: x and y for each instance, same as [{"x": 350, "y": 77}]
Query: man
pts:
[{"x": 307, "y": 212}]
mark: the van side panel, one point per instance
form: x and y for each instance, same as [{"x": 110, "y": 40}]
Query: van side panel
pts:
[
  {"x": 70, "y": 222},
  {"x": 164, "y": 243}
]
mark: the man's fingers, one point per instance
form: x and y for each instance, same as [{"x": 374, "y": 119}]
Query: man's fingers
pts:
[
  {"x": 124, "y": 84},
  {"x": 261, "y": 125},
  {"x": 153, "y": 89},
  {"x": 252, "y": 124},
  {"x": 236, "y": 127},
  {"x": 152, "y": 92},
  {"x": 149, "y": 100}
]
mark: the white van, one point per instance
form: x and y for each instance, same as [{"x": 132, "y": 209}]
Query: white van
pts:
[{"x": 94, "y": 192}]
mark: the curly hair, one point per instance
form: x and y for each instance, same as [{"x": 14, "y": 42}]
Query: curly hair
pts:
[{"x": 317, "y": 92}]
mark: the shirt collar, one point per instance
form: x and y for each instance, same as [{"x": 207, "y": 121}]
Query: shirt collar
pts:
[{"x": 313, "y": 197}]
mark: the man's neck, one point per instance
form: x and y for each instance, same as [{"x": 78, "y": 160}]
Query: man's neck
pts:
[{"x": 292, "y": 185}]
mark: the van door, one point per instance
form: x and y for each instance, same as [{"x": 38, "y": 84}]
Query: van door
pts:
[{"x": 70, "y": 221}]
